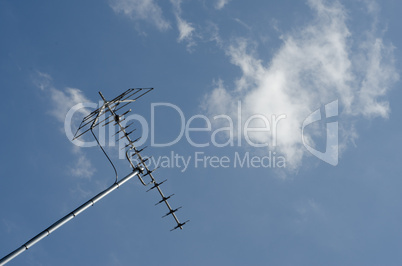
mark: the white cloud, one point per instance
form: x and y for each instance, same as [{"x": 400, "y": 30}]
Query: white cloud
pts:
[
  {"x": 221, "y": 3},
  {"x": 212, "y": 33},
  {"x": 146, "y": 10},
  {"x": 149, "y": 11},
  {"x": 316, "y": 64},
  {"x": 42, "y": 80},
  {"x": 82, "y": 167},
  {"x": 242, "y": 23},
  {"x": 186, "y": 30},
  {"x": 61, "y": 102}
]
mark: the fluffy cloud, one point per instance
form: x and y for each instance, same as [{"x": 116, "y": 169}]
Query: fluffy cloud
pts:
[
  {"x": 146, "y": 10},
  {"x": 316, "y": 64}
]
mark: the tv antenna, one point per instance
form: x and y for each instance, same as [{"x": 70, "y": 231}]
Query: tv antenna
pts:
[{"x": 113, "y": 113}]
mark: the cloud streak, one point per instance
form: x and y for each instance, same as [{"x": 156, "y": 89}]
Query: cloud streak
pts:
[{"x": 316, "y": 64}]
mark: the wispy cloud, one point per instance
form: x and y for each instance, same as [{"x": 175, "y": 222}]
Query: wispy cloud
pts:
[
  {"x": 9, "y": 225},
  {"x": 186, "y": 30},
  {"x": 146, "y": 10},
  {"x": 242, "y": 23},
  {"x": 211, "y": 33},
  {"x": 316, "y": 64},
  {"x": 61, "y": 102},
  {"x": 219, "y": 4},
  {"x": 83, "y": 167},
  {"x": 308, "y": 210},
  {"x": 42, "y": 80}
]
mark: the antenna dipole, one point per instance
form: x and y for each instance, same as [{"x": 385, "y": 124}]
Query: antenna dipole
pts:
[{"x": 111, "y": 110}]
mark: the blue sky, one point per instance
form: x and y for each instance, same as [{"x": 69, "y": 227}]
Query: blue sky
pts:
[{"x": 204, "y": 57}]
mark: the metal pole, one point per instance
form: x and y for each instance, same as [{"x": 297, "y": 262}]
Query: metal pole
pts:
[{"x": 67, "y": 218}]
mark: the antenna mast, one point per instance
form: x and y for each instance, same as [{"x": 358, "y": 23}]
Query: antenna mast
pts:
[{"x": 111, "y": 109}]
